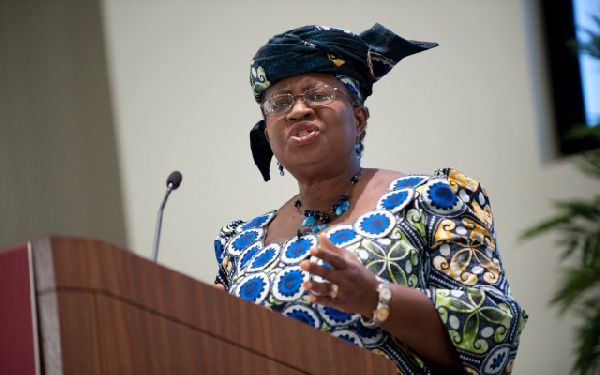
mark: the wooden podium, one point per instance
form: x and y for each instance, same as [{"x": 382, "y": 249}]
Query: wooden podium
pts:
[{"x": 80, "y": 306}]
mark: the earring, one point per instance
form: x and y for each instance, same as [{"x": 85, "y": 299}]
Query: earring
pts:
[
  {"x": 281, "y": 172},
  {"x": 357, "y": 149}
]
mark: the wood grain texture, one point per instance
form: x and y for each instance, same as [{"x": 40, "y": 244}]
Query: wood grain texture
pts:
[{"x": 120, "y": 313}]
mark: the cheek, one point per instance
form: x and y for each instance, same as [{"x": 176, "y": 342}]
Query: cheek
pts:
[
  {"x": 349, "y": 124},
  {"x": 274, "y": 135},
  {"x": 270, "y": 131}
]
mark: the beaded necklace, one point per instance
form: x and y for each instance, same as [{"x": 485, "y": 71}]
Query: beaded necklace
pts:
[{"x": 319, "y": 220}]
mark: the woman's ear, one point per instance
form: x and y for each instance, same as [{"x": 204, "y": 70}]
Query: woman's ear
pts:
[{"x": 362, "y": 115}]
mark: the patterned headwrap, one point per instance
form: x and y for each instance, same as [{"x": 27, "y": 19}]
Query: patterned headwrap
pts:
[{"x": 356, "y": 60}]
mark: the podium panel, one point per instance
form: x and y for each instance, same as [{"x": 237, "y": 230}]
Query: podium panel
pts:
[
  {"x": 102, "y": 310},
  {"x": 18, "y": 329}
]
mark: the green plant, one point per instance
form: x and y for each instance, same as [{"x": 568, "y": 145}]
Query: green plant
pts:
[{"x": 578, "y": 225}]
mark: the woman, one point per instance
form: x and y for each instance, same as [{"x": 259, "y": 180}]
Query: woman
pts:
[{"x": 404, "y": 265}]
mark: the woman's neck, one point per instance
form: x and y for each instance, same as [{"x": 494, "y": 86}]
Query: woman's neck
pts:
[{"x": 320, "y": 194}]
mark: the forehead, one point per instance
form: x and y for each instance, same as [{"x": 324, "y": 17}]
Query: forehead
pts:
[{"x": 303, "y": 82}]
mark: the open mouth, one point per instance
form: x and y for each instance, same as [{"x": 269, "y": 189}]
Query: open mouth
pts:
[
  {"x": 302, "y": 129},
  {"x": 303, "y": 133}
]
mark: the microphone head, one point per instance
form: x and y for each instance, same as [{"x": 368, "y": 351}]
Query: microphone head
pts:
[{"x": 174, "y": 179}]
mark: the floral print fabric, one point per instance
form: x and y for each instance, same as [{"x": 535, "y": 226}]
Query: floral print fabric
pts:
[{"x": 433, "y": 233}]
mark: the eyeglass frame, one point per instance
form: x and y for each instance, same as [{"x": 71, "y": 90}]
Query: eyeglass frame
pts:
[{"x": 309, "y": 103}]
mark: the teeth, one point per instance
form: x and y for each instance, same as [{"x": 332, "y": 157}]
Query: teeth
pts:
[{"x": 303, "y": 133}]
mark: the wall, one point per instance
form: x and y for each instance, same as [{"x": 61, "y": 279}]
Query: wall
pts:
[{"x": 58, "y": 157}]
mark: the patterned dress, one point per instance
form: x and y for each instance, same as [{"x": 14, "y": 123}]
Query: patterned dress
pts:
[{"x": 433, "y": 233}]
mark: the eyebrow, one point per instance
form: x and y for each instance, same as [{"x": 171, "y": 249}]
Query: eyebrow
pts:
[{"x": 288, "y": 91}]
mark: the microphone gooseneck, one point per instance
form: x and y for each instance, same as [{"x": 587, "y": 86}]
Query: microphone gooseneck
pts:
[{"x": 173, "y": 182}]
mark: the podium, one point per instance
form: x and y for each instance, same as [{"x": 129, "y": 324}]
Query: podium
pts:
[{"x": 82, "y": 306}]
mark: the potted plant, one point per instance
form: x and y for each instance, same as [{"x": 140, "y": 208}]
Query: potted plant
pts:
[{"x": 577, "y": 222}]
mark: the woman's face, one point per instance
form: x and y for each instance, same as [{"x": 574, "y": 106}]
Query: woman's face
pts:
[{"x": 315, "y": 136}]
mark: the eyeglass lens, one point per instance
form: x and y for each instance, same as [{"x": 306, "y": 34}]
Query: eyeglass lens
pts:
[{"x": 280, "y": 104}]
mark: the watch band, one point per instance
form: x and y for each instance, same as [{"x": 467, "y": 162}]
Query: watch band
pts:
[{"x": 382, "y": 310}]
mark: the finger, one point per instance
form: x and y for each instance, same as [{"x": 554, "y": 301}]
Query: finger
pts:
[
  {"x": 321, "y": 293},
  {"x": 330, "y": 253},
  {"x": 219, "y": 286},
  {"x": 325, "y": 243},
  {"x": 318, "y": 289},
  {"x": 323, "y": 271}
]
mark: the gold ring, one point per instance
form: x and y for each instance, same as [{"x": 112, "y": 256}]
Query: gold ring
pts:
[{"x": 333, "y": 291}]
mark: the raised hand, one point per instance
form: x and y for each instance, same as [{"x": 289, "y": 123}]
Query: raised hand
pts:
[{"x": 349, "y": 286}]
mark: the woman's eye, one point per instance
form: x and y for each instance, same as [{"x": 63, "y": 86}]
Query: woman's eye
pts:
[
  {"x": 319, "y": 96},
  {"x": 279, "y": 102}
]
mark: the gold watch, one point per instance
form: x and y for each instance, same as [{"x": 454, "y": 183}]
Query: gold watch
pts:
[{"x": 382, "y": 311}]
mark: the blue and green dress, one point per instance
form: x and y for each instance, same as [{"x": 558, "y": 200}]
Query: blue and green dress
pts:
[{"x": 434, "y": 233}]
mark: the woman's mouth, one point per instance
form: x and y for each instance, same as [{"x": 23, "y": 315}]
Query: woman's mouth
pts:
[{"x": 303, "y": 133}]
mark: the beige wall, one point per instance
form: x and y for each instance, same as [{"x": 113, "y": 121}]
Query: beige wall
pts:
[
  {"x": 59, "y": 171},
  {"x": 180, "y": 97}
]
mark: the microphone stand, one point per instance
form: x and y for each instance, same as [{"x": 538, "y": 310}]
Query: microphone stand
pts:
[
  {"x": 159, "y": 218},
  {"x": 173, "y": 183}
]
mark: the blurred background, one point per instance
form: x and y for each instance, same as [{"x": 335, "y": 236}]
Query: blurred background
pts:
[{"x": 101, "y": 99}]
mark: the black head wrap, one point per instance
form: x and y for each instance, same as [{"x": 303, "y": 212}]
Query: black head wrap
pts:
[{"x": 356, "y": 60}]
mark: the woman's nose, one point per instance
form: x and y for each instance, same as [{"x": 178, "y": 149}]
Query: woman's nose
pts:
[{"x": 300, "y": 109}]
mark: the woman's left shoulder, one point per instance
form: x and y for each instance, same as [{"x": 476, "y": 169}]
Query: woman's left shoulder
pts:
[
  {"x": 467, "y": 188},
  {"x": 395, "y": 180},
  {"x": 468, "y": 191},
  {"x": 399, "y": 180},
  {"x": 459, "y": 180}
]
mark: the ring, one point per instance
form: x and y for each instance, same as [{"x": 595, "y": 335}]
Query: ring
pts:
[{"x": 333, "y": 291}]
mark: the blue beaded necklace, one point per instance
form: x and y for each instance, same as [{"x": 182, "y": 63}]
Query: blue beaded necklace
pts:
[{"x": 319, "y": 220}]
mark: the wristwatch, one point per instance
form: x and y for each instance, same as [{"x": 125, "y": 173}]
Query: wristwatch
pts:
[{"x": 382, "y": 311}]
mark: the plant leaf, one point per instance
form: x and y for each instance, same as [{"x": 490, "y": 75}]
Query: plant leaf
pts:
[
  {"x": 588, "y": 339},
  {"x": 577, "y": 281}
]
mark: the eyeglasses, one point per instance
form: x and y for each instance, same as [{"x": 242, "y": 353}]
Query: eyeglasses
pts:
[{"x": 280, "y": 104}]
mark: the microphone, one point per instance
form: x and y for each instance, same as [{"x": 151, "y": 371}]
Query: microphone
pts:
[{"x": 173, "y": 182}]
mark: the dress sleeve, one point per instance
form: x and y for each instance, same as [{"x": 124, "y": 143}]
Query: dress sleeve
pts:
[
  {"x": 467, "y": 282},
  {"x": 225, "y": 264}
]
